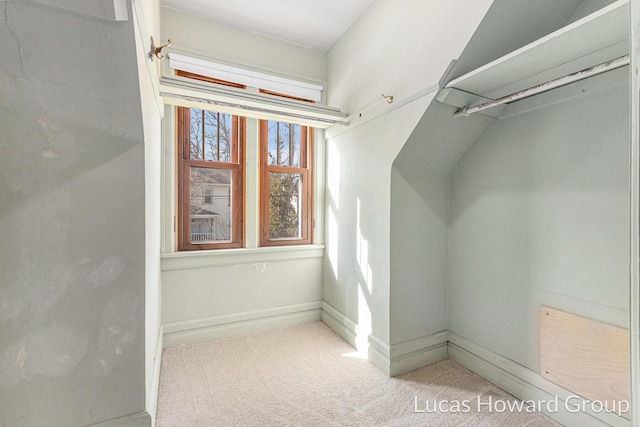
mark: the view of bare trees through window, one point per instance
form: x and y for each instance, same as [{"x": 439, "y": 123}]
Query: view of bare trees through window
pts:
[
  {"x": 210, "y": 189},
  {"x": 284, "y": 151},
  {"x": 210, "y": 135}
]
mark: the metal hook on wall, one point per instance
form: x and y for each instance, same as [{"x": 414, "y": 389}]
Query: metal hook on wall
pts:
[
  {"x": 157, "y": 50},
  {"x": 389, "y": 98}
]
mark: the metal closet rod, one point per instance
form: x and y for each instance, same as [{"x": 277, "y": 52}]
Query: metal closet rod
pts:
[{"x": 551, "y": 84}]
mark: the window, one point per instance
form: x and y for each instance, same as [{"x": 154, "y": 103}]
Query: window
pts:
[
  {"x": 215, "y": 202},
  {"x": 210, "y": 179},
  {"x": 286, "y": 156}
]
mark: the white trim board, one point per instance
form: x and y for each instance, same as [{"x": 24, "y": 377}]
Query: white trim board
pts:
[
  {"x": 214, "y": 328},
  {"x": 246, "y": 77},
  {"x": 152, "y": 403},
  {"x": 224, "y": 257},
  {"x": 392, "y": 360},
  {"x": 598, "y": 37}
]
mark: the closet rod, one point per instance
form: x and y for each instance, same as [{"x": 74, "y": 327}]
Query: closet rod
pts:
[{"x": 551, "y": 84}]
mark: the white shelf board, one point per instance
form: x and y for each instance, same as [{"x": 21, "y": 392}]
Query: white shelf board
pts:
[{"x": 596, "y": 38}]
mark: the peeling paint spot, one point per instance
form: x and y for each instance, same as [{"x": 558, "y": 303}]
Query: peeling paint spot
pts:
[
  {"x": 62, "y": 359},
  {"x": 118, "y": 333},
  {"x": 51, "y": 351},
  {"x": 110, "y": 269},
  {"x": 21, "y": 357},
  {"x": 50, "y": 154}
]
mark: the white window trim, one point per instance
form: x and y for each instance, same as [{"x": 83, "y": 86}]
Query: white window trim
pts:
[
  {"x": 224, "y": 257},
  {"x": 246, "y": 77},
  {"x": 187, "y": 92}
]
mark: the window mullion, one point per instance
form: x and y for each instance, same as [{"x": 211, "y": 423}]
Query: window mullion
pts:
[
  {"x": 203, "y": 138},
  {"x": 218, "y": 135}
]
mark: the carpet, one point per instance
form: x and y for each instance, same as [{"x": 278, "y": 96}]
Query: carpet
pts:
[{"x": 306, "y": 375}]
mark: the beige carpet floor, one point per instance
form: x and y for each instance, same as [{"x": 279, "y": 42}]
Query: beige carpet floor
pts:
[{"x": 306, "y": 375}]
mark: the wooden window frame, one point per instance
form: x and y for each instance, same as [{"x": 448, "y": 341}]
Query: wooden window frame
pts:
[
  {"x": 305, "y": 171},
  {"x": 184, "y": 182}
]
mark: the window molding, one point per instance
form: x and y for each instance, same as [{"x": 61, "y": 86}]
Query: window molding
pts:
[
  {"x": 231, "y": 257},
  {"x": 246, "y": 77},
  {"x": 188, "y": 92}
]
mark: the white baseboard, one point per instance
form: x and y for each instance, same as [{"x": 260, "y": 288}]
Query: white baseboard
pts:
[
  {"x": 414, "y": 354},
  {"x": 202, "y": 330},
  {"x": 392, "y": 360},
  {"x": 339, "y": 323},
  {"x": 152, "y": 404},
  {"x": 512, "y": 377},
  {"x": 139, "y": 419},
  {"x": 395, "y": 359},
  {"x": 524, "y": 383}
]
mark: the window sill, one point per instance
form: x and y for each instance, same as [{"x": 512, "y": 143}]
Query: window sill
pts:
[{"x": 226, "y": 257}]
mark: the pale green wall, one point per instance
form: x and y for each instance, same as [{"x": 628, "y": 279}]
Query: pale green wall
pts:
[
  {"x": 395, "y": 48},
  {"x": 217, "y": 295},
  {"x": 540, "y": 215},
  {"x": 420, "y": 221},
  {"x": 72, "y": 219}
]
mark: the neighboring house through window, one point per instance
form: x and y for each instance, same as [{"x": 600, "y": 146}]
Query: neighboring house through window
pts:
[
  {"x": 210, "y": 179},
  {"x": 211, "y": 169}
]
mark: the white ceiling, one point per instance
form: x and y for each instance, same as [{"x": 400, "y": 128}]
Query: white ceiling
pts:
[{"x": 316, "y": 24}]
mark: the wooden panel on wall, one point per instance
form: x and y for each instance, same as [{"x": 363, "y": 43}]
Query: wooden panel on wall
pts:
[{"x": 587, "y": 357}]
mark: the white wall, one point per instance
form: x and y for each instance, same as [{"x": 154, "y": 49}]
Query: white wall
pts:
[
  {"x": 356, "y": 274},
  {"x": 192, "y": 33},
  {"x": 540, "y": 216},
  {"x": 635, "y": 208},
  {"x": 72, "y": 219},
  {"x": 146, "y": 20},
  {"x": 397, "y": 44},
  {"x": 216, "y": 299},
  {"x": 396, "y": 48}
]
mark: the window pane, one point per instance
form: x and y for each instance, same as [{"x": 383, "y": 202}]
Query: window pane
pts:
[
  {"x": 195, "y": 133},
  {"x": 217, "y": 136},
  {"x": 284, "y": 144},
  {"x": 295, "y": 148},
  {"x": 226, "y": 125},
  {"x": 210, "y": 135},
  {"x": 210, "y": 205},
  {"x": 285, "y": 205}
]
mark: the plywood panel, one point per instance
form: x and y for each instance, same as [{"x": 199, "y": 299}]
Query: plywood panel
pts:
[{"x": 587, "y": 357}]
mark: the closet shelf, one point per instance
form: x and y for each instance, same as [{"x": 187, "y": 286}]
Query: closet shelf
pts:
[{"x": 596, "y": 38}]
